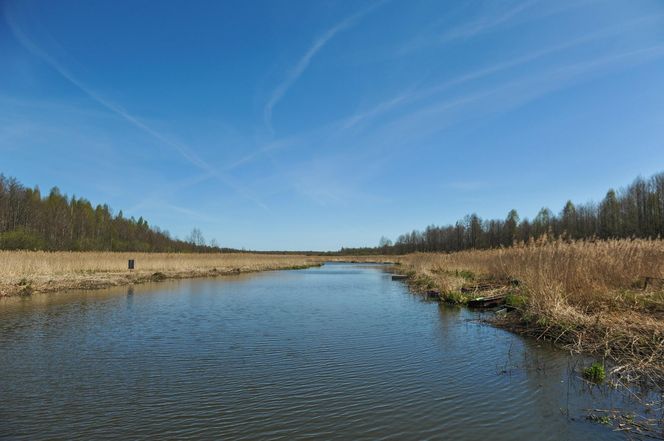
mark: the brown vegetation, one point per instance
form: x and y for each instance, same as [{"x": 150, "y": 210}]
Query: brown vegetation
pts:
[
  {"x": 586, "y": 295},
  {"x": 27, "y": 272}
]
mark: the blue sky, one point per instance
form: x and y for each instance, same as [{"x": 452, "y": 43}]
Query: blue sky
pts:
[{"x": 317, "y": 124}]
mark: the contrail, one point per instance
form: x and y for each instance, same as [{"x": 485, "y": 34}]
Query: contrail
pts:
[
  {"x": 304, "y": 61},
  {"x": 181, "y": 148}
]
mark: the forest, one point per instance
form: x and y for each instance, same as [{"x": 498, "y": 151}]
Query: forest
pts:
[
  {"x": 31, "y": 221},
  {"x": 636, "y": 211},
  {"x": 56, "y": 222}
]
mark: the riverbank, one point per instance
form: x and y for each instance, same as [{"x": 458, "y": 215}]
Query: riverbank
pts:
[
  {"x": 587, "y": 296},
  {"x": 32, "y": 272}
]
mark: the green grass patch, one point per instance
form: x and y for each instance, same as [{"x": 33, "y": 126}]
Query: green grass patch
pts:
[
  {"x": 468, "y": 276},
  {"x": 600, "y": 419},
  {"x": 595, "y": 373},
  {"x": 650, "y": 301},
  {"x": 454, "y": 297},
  {"x": 465, "y": 274},
  {"x": 421, "y": 282},
  {"x": 516, "y": 300}
]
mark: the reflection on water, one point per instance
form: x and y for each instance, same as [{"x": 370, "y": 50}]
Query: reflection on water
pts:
[{"x": 339, "y": 352}]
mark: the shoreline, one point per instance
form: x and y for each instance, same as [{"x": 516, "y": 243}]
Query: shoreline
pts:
[
  {"x": 587, "y": 298},
  {"x": 641, "y": 367},
  {"x": 100, "y": 281},
  {"x": 23, "y": 273}
]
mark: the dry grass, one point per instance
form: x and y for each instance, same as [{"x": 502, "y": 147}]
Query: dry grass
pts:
[
  {"x": 24, "y": 272},
  {"x": 585, "y": 295}
]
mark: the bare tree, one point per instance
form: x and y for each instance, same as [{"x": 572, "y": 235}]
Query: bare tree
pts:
[{"x": 196, "y": 238}]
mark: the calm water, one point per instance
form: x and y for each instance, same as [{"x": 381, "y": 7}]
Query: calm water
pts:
[{"x": 334, "y": 352}]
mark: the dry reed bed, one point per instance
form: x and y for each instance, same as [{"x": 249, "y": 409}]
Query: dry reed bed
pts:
[
  {"x": 24, "y": 272},
  {"x": 586, "y": 295}
]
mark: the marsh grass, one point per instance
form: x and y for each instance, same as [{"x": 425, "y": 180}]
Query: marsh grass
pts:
[
  {"x": 585, "y": 295},
  {"x": 27, "y": 272}
]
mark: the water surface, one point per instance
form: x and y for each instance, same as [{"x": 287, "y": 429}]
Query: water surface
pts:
[{"x": 337, "y": 352}]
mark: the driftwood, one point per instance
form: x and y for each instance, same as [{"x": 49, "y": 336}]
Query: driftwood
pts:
[
  {"x": 488, "y": 302},
  {"x": 433, "y": 294}
]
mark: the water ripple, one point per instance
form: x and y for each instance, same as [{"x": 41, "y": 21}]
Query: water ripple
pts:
[{"x": 339, "y": 352}]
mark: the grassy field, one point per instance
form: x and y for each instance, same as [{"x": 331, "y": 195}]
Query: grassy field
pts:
[
  {"x": 588, "y": 296},
  {"x": 26, "y": 272}
]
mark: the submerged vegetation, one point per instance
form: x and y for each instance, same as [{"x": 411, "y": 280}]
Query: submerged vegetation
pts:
[{"x": 595, "y": 373}]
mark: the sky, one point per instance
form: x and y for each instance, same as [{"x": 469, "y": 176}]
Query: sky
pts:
[{"x": 312, "y": 125}]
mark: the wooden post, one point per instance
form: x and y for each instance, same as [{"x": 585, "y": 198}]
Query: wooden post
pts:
[{"x": 130, "y": 265}]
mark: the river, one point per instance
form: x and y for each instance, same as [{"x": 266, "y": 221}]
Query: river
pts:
[{"x": 336, "y": 352}]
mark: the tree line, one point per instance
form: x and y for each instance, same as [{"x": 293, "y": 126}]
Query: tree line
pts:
[
  {"x": 635, "y": 211},
  {"x": 53, "y": 222}
]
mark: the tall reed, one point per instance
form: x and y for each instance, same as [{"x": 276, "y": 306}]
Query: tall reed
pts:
[{"x": 586, "y": 294}]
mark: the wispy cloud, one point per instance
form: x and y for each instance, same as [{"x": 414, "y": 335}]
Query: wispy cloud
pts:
[
  {"x": 161, "y": 195},
  {"x": 274, "y": 145},
  {"x": 518, "y": 12},
  {"x": 185, "y": 151},
  {"x": 503, "y": 97},
  {"x": 378, "y": 109},
  {"x": 390, "y": 140},
  {"x": 298, "y": 69},
  {"x": 480, "y": 25},
  {"x": 332, "y": 181},
  {"x": 9, "y": 133},
  {"x": 157, "y": 204},
  {"x": 421, "y": 113},
  {"x": 411, "y": 95},
  {"x": 393, "y": 138},
  {"x": 485, "y": 23}
]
